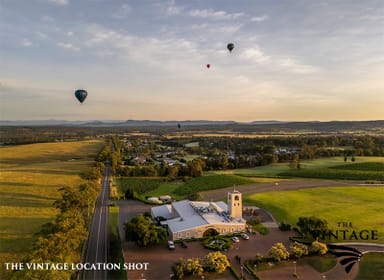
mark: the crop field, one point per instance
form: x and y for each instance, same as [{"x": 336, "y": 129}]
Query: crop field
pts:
[
  {"x": 362, "y": 206},
  {"x": 29, "y": 181}
]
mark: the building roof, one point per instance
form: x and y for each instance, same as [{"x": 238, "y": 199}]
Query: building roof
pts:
[
  {"x": 183, "y": 215},
  {"x": 183, "y": 208},
  {"x": 162, "y": 211},
  {"x": 181, "y": 224}
]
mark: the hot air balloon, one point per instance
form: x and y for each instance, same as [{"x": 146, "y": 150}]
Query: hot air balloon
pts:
[
  {"x": 208, "y": 65},
  {"x": 230, "y": 46},
  {"x": 81, "y": 95}
]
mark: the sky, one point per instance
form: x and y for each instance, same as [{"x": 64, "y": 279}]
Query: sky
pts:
[{"x": 294, "y": 60}]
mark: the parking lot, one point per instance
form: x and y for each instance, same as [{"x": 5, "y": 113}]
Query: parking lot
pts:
[{"x": 160, "y": 259}]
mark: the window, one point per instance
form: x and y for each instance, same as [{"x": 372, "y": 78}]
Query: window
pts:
[{"x": 236, "y": 197}]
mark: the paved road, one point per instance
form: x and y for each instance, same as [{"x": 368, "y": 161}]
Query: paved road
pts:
[{"x": 97, "y": 247}]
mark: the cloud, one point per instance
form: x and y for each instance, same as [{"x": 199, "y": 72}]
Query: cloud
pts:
[
  {"x": 47, "y": 18},
  {"x": 148, "y": 51},
  {"x": 294, "y": 66},
  {"x": 67, "y": 46},
  {"x": 212, "y": 14},
  {"x": 173, "y": 9},
  {"x": 123, "y": 12},
  {"x": 259, "y": 18},
  {"x": 59, "y": 2},
  {"x": 256, "y": 55},
  {"x": 40, "y": 35},
  {"x": 26, "y": 42},
  {"x": 284, "y": 63}
]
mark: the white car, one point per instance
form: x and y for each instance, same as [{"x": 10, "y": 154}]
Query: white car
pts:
[
  {"x": 245, "y": 236},
  {"x": 171, "y": 245},
  {"x": 235, "y": 239}
]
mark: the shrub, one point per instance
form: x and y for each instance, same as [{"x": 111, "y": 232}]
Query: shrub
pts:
[
  {"x": 217, "y": 243},
  {"x": 299, "y": 249},
  {"x": 284, "y": 226},
  {"x": 278, "y": 252},
  {"x": 318, "y": 248}
]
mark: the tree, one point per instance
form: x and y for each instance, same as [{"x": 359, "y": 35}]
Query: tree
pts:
[
  {"x": 216, "y": 261},
  {"x": 142, "y": 231},
  {"x": 131, "y": 193},
  {"x": 196, "y": 168},
  {"x": 312, "y": 226},
  {"x": 173, "y": 171},
  {"x": 114, "y": 193},
  {"x": 299, "y": 249},
  {"x": 295, "y": 162},
  {"x": 195, "y": 196},
  {"x": 178, "y": 269},
  {"x": 278, "y": 252},
  {"x": 193, "y": 266},
  {"x": 319, "y": 248}
]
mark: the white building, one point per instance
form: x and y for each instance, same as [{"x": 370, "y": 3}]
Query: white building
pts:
[{"x": 187, "y": 219}]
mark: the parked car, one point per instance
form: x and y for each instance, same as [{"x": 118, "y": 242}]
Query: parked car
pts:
[
  {"x": 235, "y": 239},
  {"x": 245, "y": 236},
  {"x": 184, "y": 244},
  {"x": 171, "y": 245}
]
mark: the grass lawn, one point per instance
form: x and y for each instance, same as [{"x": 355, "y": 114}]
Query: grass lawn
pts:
[
  {"x": 371, "y": 267},
  {"x": 29, "y": 181},
  {"x": 166, "y": 188},
  {"x": 113, "y": 220},
  {"x": 157, "y": 186},
  {"x": 210, "y": 181},
  {"x": 319, "y": 263},
  {"x": 361, "y": 205},
  {"x": 115, "y": 254}
]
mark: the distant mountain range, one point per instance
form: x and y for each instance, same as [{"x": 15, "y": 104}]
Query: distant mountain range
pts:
[
  {"x": 272, "y": 126},
  {"x": 97, "y": 123}
]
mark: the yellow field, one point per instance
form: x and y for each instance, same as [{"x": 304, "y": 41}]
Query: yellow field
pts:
[{"x": 30, "y": 176}]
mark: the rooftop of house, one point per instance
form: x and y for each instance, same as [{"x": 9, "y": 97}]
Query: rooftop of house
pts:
[{"x": 185, "y": 214}]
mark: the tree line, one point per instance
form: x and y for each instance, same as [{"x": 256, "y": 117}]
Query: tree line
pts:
[{"x": 221, "y": 153}]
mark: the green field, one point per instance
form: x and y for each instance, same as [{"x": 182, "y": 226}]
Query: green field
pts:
[
  {"x": 29, "y": 181},
  {"x": 278, "y": 169},
  {"x": 179, "y": 189},
  {"x": 371, "y": 267},
  {"x": 211, "y": 182},
  {"x": 360, "y": 205},
  {"x": 366, "y": 171},
  {"x": 115, "y": 250}
]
